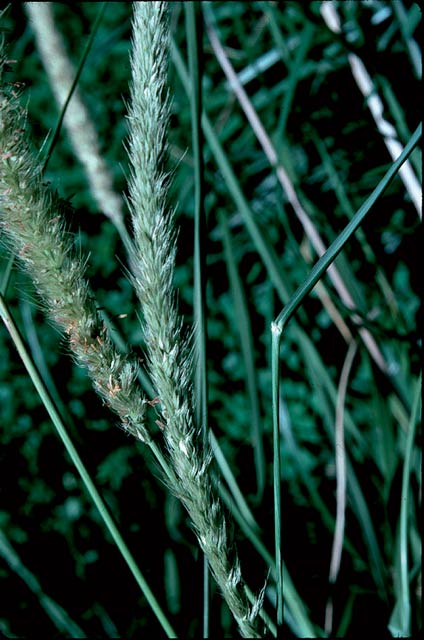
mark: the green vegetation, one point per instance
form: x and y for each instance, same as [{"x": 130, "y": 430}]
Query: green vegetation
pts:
[{"x": 286, "y": 120}]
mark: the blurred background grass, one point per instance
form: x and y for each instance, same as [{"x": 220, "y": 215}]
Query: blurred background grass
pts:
[{"x": 296, "y": 73}]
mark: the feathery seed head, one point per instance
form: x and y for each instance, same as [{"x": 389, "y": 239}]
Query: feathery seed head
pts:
[
  {"x": 31, "y": 218},
  {"x": 169, "y": 354}
]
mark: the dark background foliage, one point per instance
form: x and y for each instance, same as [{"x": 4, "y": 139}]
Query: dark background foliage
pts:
[{"x": 44, "y": 512}]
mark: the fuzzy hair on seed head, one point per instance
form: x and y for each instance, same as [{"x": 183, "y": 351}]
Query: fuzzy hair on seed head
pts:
[
  {"x": 170, "y": 355},
  {"x": 32, "y": 221}
]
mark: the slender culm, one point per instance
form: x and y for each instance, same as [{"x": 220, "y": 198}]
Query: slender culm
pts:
[
  {"x": 168, "y": 353},
  {"x": 32, "y": 221}
]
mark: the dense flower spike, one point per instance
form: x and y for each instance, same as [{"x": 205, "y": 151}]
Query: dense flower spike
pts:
[
  {"x": 168, "y": 353},
  {"x": 32, "y": 221}
]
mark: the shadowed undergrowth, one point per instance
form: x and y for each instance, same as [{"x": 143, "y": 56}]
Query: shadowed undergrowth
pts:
[{"x": 301, "y": 113}]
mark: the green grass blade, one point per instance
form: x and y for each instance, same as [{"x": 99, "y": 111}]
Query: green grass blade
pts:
[
  {"x": 400, "y": 620},
  {"x": 7, "y": 272},
  {"x": 195, "y": 95},
  {"x": 332, "y": 252},
  {"x": 276, "y": 332},
  {"x": 245, "y": 331},
  {"x": 258, "y": 236},
  {"x": 40, "y": 361},
  {"x": 80, "y": 467},
  {"x": 231, "y": 482},
  {"x": 412, "y": 47},
  {"x": 275, "y": 373},
  {"x": 293, "y": 79},
  {"x": 250, "y": 532},
  {"x": 271, "y": 12},
  {"x": 265, "y": 617},
  {"x": 362, "y": 513},
  {"x": 288, "y": 187},
  {"x": 398, "y": 115},
  {"x": 60, "y": 618},
  {"x": 385, "y": 442},
  {"x": 297, "y": 613},
  {"x": 193, "y": 31},
  {"x": 346, "y": 616},
  {"x": 172, "y": 581},
  {"x": 297, "y": 609},
  {"x": 346, "y": 206},
  {"x": 81, "y": 65}
]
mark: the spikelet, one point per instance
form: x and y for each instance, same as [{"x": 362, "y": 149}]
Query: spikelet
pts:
[
  {"x": 169, "y": 353},
  {"x": 32, "y": 223}
]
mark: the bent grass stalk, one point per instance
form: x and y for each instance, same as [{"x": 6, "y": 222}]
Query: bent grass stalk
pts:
[
  {"x": 278, "y": 326},
  {"x": 288, "y": 187}
]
